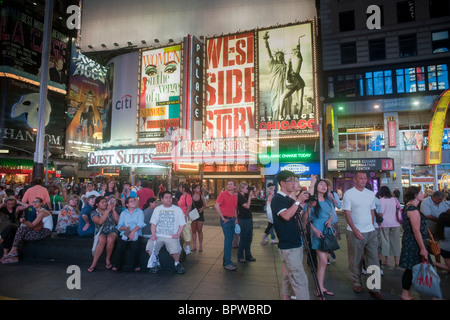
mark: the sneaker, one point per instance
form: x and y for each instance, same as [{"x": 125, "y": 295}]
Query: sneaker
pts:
[
  {"x": 155, "y": 269},
  {"x": 332, "y": 256},
  {"x": 188, "y": 250},
  {"x": 179, "y": 269},
  {"x": 274, "y": 241},
  {"x": 230, "y": 267}
]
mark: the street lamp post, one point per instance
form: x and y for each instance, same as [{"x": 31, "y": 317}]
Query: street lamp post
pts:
[{"x": 38, "y": 167}]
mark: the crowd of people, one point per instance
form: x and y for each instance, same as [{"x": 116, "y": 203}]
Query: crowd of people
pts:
[{"x": 119, "y": 221}]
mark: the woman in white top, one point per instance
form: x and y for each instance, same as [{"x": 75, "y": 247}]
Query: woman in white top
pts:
[
  {"x": 390, "y": 227},
  {"x": 270, "y": 191},
  {"x": 39, "y": 229}
]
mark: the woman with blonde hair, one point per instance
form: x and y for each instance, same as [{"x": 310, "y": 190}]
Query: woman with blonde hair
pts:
[{"x": 69, "y": 217}]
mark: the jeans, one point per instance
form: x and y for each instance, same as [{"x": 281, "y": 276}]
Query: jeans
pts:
[
  {"x": 246, "y": 237},
  {"x": 228, "y": 232}
]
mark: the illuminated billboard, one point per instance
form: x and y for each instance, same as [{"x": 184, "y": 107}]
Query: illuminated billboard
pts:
[
  {"x": 230, "y": 87},
  {"x": 88, "y": 97},
  {"x": 287, "y": 83},
  {"x": 159, "y": 94}
]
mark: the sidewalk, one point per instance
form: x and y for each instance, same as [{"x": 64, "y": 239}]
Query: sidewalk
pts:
[{"x": 205, "y": 277}]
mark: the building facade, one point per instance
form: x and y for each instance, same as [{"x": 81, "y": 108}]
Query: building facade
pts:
[{"x": 384, "y": 69}]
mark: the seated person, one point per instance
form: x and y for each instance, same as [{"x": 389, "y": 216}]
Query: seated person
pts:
[
  {"x": 167, "y": 224},
  {"x": 149, "y": 207},
  {"x": 9, "y": 222},
  {"x": 69, "y": 217},
  {"x": 86, "y": 226},
  {"x": 131, "y": 222},
  {"x": 39, "y": 229}
]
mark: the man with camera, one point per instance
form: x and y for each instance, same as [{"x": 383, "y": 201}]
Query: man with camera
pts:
[{"x": 286, "y": 216}]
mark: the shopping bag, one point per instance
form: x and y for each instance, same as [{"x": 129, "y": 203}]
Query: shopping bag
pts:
[
  {"x": 153, "y": 260},
  {"x": 328, "y": 241},
  {"x": 426, "y": 280},
  {"x": 194, "y": 215}
]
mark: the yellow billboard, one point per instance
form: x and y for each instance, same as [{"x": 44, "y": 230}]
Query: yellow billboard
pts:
[{"x": 436, "y": 131}]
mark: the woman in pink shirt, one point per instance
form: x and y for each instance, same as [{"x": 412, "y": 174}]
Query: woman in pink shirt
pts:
[
  {"x": 185, "y": 203},
  {"x": 390, "y": 227}
]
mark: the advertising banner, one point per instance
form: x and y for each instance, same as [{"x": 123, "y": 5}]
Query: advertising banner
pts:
[
  {"x": 287, "y": 86},
  {"x": 21, "y": 38},
  {"x": 123, "y": 108},
  {"x": 159, "y": 101},
  {"x": 230, "y": 87},
  {"x": 19, "y": 116},
  {"x": 88, "y": 97}
]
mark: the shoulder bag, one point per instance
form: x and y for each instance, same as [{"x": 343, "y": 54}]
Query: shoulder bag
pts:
[
  {"x": 433, "y": 245},
  {"x": 96, "y": 240},
  {"x": 193, "y": 214},
  {"x": 328, "y": 241}
]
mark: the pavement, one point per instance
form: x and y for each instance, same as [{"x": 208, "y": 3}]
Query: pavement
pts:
[{"x": 205, "y": 278}]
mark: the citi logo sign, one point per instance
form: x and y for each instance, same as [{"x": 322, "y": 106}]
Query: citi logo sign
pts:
[{"x": 124, "y": 102}]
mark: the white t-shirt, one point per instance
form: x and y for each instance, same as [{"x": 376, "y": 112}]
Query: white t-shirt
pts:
[
  {"x": 360, "y": 204},
  {"x": 167, "y": 220}
]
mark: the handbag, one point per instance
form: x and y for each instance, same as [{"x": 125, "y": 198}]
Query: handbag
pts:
[
  {"x": 96, "y": 240},
  {"x": 378, "y": 218},
  {"x": 328, "y": 241},
  {"x": 193, "y": 214},
  {"x": 433, "y": 245},
  {"x": 426, "y": 280}
]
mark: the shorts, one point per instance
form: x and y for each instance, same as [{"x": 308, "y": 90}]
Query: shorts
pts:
[
  {"x": 172, "y": 245},
  {"x": 445, "y": 254}
]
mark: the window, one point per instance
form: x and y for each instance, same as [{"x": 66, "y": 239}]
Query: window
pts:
[
  {"x": 406, "y": 11},
  {"x": 379, "y": 82},
  {"x": 439, "y": 8},
  {"x": 413, "y": 139},
  {"x": 348, "y": 53},
  {"x": 437, "y": 77},
  {"x": 349, "y": 86},
  {"x": 377, "y": 49},
  {"x": 446, "y": 139},
  {"x": 440, "y": 41},
  {"x": 410, "y": 80},
  {"x": 330, "y": 87},
  {"x": 360, "y": 139},
  {"x": 407, "y": 45},
  {"x": 346, "y": 21}
]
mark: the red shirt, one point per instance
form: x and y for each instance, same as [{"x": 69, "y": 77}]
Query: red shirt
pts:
[
  {"x": 144, "y": 194},
  {"x": 228, "y": 203},
  {"x": 184, "y": 202}
]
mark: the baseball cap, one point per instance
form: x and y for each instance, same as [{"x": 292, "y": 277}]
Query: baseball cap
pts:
[{"x": 284, "y": 175}]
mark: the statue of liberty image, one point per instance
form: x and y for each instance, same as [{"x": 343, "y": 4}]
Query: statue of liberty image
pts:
[{"x": 285, "y": 80}]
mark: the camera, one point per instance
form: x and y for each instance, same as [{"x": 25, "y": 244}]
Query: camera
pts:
[
  {"x": 250, "y": 189},
  {"x": 311, "y": 199}
]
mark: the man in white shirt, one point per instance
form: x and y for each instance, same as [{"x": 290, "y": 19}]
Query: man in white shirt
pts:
[
  {"x": 167, "y": 224},
  {"x": 432, "y": 207},
  {"x": 89, "y": 192},
  {"x": 358, "y": 206}
]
